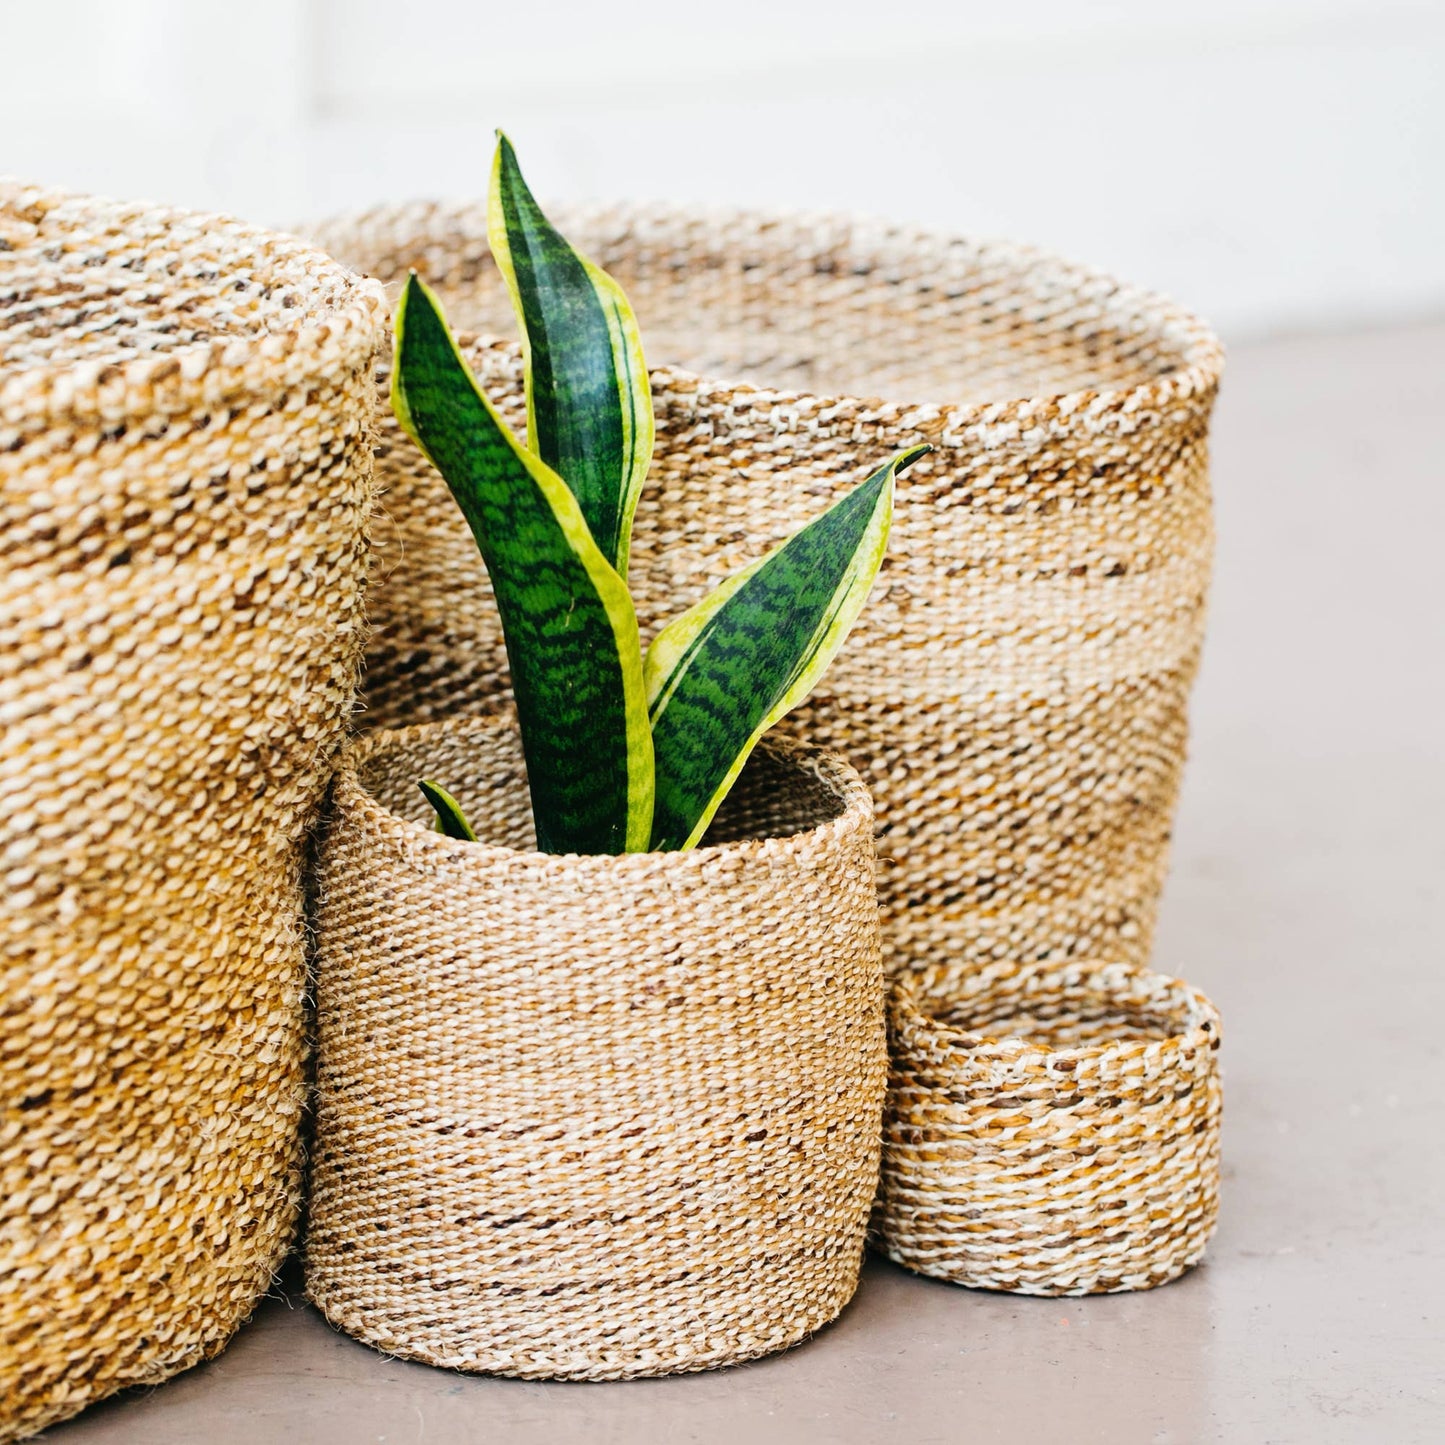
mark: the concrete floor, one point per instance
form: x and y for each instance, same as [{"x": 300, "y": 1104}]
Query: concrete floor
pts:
[{"x": 1306, "y": 898}]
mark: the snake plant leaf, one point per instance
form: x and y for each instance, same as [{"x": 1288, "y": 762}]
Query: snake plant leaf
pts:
[
  {"x": 723, "y": 673},
  {"x": 589, "y": 404},
  {"x": 450, "y": 818},
  {"x": 567, "y": 619}
]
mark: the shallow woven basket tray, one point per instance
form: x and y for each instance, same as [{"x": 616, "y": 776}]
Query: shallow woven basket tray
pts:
[
  {"x": 596, "y": 1117},
  {"x": 1050, "y": 1130},
  {"x": 1015, "y": 692},
  {"x": 185, "y": 483}
]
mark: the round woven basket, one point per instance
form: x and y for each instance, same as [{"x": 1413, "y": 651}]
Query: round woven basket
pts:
[
  {"x": 1015, "y": 692},
  {"x": 1051, "y": 1129},
  {"x": 591, "y": 1117},
  {"x": 185, "y": 483}
]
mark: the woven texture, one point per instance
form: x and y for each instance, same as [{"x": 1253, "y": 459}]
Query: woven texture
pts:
[
  {"x": 591, "y": 1117},
  {"x": 1015, "y": 692},
  {"x": 185, "y": 483},
  {"x": 1050, "y": 1130}
]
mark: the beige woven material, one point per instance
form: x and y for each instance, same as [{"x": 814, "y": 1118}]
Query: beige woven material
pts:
[
  {"x": 185, "y": 483},
  {"x": 591, "y": 1118},
  {"x": 1050, "y": 1130},
  {"x": 1015, "y": 692}
]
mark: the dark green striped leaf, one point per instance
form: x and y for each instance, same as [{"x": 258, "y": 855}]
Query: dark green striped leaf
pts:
[
  {"x": 726, "y": 670},
  {"x": 589, "y": 404},
  {"x": 450, "y": 818},
  {"x": 567, "y": 619}
]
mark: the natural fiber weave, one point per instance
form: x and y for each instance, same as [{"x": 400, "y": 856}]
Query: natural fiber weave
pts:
[
  {"x": 1050, "y": 1130},
  {"x": 185, "y": 482},
  {"x": 1015, "y": 692},
  {"x": 591, "y": 1117}
]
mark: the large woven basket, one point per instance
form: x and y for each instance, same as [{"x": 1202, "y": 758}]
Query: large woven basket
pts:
[
  {"x": 1051, "y": 1129},
  {"x": 185, "y": 484},
  {"x": 1015, "y": 693},
  {"x": 591, "y": 1117}
]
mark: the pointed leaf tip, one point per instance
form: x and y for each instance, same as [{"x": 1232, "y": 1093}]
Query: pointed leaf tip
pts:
[
  {"x": 589, "y": 398},
  {"x": 450, "y": 821}
]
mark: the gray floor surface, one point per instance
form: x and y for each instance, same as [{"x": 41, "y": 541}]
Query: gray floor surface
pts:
[{"x": 1306, "y": 898}]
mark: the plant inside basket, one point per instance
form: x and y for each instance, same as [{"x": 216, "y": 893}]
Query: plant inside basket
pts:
[{"x": 625, "y": 752}]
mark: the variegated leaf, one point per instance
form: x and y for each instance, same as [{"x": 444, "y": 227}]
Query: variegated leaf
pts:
[
  {"x": 589, "y": 404},
  {"x": 723, "y": 673},
  {"x": 567, "y": 619}
]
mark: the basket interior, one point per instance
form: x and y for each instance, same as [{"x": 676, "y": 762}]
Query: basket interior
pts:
[
  {"x": 776, "y": 796},
  {"x": 829, "y": 306},
  {"x": 1052, "y": 1007},
  {"x": 1057, "y": 1022},
  {"x": 825, "y": 315},
  {"x": 89, "y": 280}
]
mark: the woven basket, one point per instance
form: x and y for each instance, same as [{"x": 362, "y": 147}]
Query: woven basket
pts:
[
  {"x": 185, "y": 482},
  {"x": 598, "y": 1117},
  {"x": 1050, "y": 1130},
  {"x": 1015, "y": 692}
]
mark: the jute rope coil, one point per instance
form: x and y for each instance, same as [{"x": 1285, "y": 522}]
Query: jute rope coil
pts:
[
  {"x": 591, "y": 1117},
  {"x": 1050, "y": 1130},
  {"x": 185, "y": 484},
  {"x": 1015, "y": 693}
]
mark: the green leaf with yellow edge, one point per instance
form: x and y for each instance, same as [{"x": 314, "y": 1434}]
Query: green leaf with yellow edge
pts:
[
  {"x": 567, "y": 619},
  {"x": 589, "y": 403},
  {"x": 723, "y": 673},
  {"x": 450, "y": 818}
]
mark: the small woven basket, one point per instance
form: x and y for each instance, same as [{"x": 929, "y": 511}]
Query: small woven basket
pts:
[
  {"x": 1015, "y": 691},
  {"x": 185, "y": 486},
  {"x": 591, "y": 1117},
  {"x": 1050, "y": 1130}
]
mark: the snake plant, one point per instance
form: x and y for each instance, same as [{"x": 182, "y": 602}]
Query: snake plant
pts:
[{"x": 624, "y": 753}]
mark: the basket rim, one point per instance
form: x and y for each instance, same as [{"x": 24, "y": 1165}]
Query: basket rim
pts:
[
  {"x": 1199, "y": 350},
  {"x": 422, "y": 844},
  {"x": 199, "y": 373},
  {"x": 1193, "y": 1018}
]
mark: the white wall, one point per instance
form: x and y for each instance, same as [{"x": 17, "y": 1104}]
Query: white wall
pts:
[{"x": 1275, "y": 163}]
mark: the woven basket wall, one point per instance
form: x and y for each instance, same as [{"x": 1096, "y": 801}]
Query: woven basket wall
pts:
[
  {"x": 185, "y": 484},
  {"x": 1051, "y": 1129},
  {"x": 591, "y": 1118},
  {"x": 1015, "y": 693}
]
